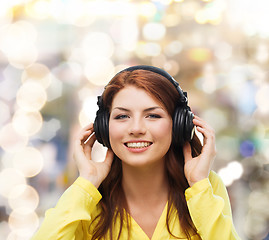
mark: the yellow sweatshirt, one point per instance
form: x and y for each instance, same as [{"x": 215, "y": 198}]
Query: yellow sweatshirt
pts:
[{"x": 207, "y": 201}]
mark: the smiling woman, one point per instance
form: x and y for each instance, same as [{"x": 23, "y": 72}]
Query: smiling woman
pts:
[
  {"x": 139, "y": 124},
  {"x": 156, "y": 180}
]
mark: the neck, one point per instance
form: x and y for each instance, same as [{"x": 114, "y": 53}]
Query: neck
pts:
[{"x": 142, "y": 184}]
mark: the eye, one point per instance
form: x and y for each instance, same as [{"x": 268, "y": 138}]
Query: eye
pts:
[
  {"x": 121, "y": 116},
  {"x": 154, "y": 116}
]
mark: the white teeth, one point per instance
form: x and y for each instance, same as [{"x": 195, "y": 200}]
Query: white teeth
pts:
[{"x": 138, "y": 144}]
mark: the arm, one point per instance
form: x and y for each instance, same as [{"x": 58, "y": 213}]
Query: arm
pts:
[
  {"x": 207, "y": 198},
  {"x": 210, "y": 210},
  {"x": 76, "y": 207}
]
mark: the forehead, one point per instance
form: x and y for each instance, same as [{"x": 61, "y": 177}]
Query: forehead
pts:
[{"x": 134, "y": 96}]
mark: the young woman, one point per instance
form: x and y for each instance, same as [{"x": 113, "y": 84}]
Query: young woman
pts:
[{"x": 155, "y": 181}]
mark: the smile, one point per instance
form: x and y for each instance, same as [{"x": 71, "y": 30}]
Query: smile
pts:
[{"x": 138, "y": 144}]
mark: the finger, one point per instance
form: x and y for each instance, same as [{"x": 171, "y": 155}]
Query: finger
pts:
[
  {"x": 202, "y": 123},
  {"x": 87, "y": 127},
  {"x": 88, "y": 146},
  {"x": 78, "y": 151},
  {"x": 209, "y": 145},
  {"x": 85, "y": 133},
  {"x": 187, "y": 151},
  {"x": 197, "y": 117},
  {"x": 84, "y": 137},
  {"x": 87, "y": 136},
  {"x": 91, "y": 140},
  {"x": 84, "y": 142},
  {"x": 208, "y": 133}
]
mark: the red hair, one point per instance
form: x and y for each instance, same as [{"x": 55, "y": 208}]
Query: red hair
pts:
[{"x": 113, "y": 202}]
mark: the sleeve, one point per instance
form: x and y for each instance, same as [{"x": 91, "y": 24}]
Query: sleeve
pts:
[
  {"x": 77, "y": 205},
  {"x": 210, "y": 209}
]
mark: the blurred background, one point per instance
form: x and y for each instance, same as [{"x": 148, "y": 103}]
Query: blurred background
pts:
[{"x": 57, "y": 55}]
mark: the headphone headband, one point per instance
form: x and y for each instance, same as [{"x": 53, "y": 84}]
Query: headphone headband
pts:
[{"x": 183, "y": 95}]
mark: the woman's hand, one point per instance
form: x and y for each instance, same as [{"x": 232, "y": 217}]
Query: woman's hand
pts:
[
  {"x": 95, "y": 172},
  {"x": 199, "y": 167}
]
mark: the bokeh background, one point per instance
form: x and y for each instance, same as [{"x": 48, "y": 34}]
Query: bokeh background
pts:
[{"x": 57, "y": 55}]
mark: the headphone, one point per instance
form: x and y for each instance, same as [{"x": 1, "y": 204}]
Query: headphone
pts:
[{"x": 183, "y": 127}]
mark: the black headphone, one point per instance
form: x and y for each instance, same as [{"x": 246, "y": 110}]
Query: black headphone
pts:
[{"x": 183, "y": 127}]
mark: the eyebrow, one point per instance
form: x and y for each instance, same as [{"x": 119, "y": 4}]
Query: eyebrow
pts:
[{"x": 145, "y": 110}]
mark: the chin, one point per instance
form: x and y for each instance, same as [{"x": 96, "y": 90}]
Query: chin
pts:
[{"x": 141, "y": 162}]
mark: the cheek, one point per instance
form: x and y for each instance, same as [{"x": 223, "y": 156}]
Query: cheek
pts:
[
  {"x": 167, "y": 138},
  {"x": 164, "y": 132},
  {"x": 115, "y": 131}
]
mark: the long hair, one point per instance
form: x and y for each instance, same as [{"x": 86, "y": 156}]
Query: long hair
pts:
[{"x": 113, "y": 202}]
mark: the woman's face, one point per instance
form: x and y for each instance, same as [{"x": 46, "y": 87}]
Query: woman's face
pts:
[{"x": 140, "y": 129}]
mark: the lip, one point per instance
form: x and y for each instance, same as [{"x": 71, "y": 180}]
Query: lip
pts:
[{"x": 137, "y": 150}]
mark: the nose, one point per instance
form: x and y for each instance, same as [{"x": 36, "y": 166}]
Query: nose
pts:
[{"x": 137, "y": 127}]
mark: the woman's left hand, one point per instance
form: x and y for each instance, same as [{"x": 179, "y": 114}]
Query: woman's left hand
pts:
[{"x": 199, "y": 167}]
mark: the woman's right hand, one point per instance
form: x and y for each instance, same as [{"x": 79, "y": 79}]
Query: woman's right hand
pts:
[{"x": 95, "y": 172}]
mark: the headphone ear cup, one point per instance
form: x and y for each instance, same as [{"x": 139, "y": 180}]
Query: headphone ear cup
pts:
[
  {"x": 183, "y": 127},
  {"x": 101, "y": 127},
  {"x": 189, "y": 126},
  {"x": 178, "y": 127}
]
